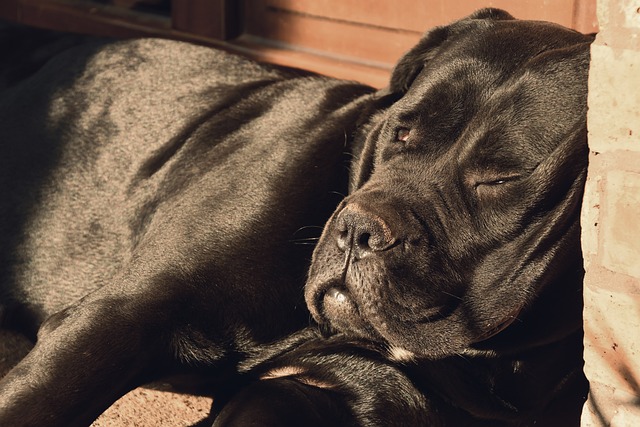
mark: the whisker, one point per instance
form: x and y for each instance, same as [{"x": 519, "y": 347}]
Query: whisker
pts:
[
  {"x": 308, "y": 227},
  {"x": 462, "y": 356},
  {"x": 452, "y": 295}
]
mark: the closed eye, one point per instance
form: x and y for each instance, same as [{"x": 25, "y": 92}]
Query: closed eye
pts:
[
  {"x": 496, "y": 182},
  {"x": 497, "y": 178}
]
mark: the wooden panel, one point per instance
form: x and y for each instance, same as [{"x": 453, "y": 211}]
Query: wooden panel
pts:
[
  {"x": 352, "y": 39},
  {"x": 377, "y": 13},
  {"x": 585, "y": 18},
  {"x": 377, "y": 32},
  {"x": 250, "y": 46},
  {"x": 85, "y": 17},
  {"x": 421, "y": 15},
  {"x": 217, "y": 19},
  {"x": 373, "y": 45},
  {"x": 9, "y": 9}
]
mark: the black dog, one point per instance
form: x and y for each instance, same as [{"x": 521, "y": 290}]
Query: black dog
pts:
[{"x": 168, "y": 188}]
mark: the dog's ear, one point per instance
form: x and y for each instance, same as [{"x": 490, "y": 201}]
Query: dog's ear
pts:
[
  {"x": 491, "y": 13},
  {"x": 410, "y": 65}
]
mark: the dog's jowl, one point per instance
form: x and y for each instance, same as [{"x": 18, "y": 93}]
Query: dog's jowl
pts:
[{"x": 158, "y": 200}]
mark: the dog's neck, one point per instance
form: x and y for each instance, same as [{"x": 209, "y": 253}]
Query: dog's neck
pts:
[{"x": 518, "y": 373}]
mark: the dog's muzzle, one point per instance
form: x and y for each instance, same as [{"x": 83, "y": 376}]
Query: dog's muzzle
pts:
[{"x": 348, "y": 286}]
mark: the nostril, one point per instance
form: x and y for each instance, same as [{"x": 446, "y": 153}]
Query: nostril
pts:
[
  {"x": 362, "y": 231},
  {"x": 363, "y": 241},
  {"x": 343, "y": 239}
]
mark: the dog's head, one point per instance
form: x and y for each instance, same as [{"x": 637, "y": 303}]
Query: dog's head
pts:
[{"x": 465, "y": 192}]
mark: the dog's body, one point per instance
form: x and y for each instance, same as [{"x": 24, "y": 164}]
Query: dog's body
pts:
[{"x": 170, "y": 188}]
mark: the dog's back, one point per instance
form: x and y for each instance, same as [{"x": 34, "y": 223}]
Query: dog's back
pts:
[{"x": 106, "y": 138}]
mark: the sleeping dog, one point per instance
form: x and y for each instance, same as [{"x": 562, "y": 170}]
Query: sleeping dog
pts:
[{"x": 157, "y": 198}]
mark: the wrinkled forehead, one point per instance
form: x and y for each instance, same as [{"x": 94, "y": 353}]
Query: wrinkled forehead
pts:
[
  {"x": 507, "y": 43},
  {"x": 487, "y": 53},
  {"x": 509, "y": 78}
]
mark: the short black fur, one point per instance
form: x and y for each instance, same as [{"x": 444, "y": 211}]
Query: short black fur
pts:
[{"x": 157, "y": 198}]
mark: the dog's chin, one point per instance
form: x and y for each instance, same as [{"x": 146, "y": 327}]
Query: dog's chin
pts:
[
  {"x": 336, "y": 311},
  {"x": 438, "y": 331},
  {"x": 434, "y": 334}
]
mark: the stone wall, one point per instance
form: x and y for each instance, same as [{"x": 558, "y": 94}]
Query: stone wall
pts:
[{"x": 611, "y": 220}]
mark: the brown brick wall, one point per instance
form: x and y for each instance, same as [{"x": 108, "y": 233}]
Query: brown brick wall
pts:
[{"x": 611, "y": 220}]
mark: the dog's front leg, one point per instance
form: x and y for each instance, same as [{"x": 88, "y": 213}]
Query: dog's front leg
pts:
[{"x": 86, "y": 357}]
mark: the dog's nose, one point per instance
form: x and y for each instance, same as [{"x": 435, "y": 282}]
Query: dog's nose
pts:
[{"x": 363, "y": 231}]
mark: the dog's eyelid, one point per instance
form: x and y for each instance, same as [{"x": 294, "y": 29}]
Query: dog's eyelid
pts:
[
  {"x": 495, "y": 179},
  {"x": 499, "y": 181},
  {"x": 496, "y": 182}
]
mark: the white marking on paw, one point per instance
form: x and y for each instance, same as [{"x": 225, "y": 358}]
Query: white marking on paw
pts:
[{"x": 297, "y": 373}]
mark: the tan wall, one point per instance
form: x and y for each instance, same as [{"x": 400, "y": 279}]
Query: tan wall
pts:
[{"x": 611, "y": 220}]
